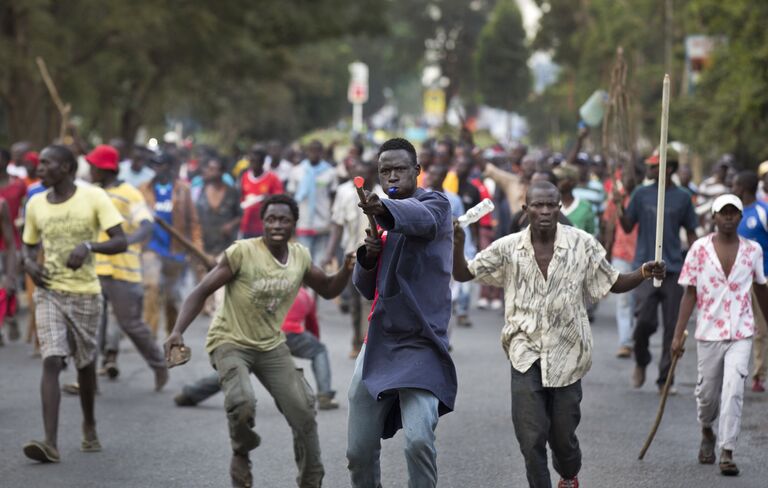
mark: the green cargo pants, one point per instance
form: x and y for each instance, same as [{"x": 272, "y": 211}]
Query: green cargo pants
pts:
[{"x": 275, "y": 370}]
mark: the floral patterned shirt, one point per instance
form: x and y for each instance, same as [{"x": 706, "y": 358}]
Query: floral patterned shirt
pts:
[
  {"x": 546, "y": 318},
  {"x": 724, "y": 303}
]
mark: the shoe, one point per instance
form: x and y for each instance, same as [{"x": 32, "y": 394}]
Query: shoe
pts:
[
  {"x": 482, "y": 304},
  {"x": 757, "y": 386},
  {"x": 707, "y": 448},
  {"x": 727, "y": 466},
  {"x": 624, "y": 353},
  {"x": 240, "y": 471},
  {"x": 463, "y": 321},
  {"x": 13, "y": 330},
  {"x": 325, "y": 402},
  {"x": 183, "y": 400},
  {"x": 112, "y": 371},
  {"x": 161, "y": 378},
  {"x": 41, "y": 452},
  {"x": 496, "y": 304},
  {"x": 638, "y": 377},
  {"x": 71, "y": 388},
  {"x": 568, "y": 483},
  {"x": 672, "y": 390}
]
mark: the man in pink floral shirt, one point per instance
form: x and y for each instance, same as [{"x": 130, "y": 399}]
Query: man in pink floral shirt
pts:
[{"x": 718, "y": 275}]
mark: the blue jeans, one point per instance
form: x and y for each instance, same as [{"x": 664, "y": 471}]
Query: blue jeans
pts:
[
  {"x": 625, "y": 313},
  {"x": 463, "y": 298},
  {"x": 307, "y": 346},
  {"x": 366, "y": 422}
]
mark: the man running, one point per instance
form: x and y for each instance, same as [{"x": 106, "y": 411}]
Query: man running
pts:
[
  {"x": 547, "y": 272},
  {"x": 262, "y": 277},
  {"x": 66, "y": 220},
  {"x": 404, "y": 375}
]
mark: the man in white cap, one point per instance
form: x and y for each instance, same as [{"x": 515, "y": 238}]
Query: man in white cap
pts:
[{"x": 718, "y": 275}]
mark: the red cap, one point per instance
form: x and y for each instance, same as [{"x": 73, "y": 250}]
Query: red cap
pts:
[
  {"x": 31, "y": 157},
  {"x": 103, "y": 157}
]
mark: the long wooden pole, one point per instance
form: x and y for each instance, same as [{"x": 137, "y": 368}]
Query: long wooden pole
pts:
[
  {"x": 187, "y": 244},
  {"x": 64, "y": 108},
  {"x": 662, "y": 402},
  {"x": 662, "y": 174}
]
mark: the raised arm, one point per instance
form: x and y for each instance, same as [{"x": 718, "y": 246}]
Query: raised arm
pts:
[
  {"x": 330, "y": 286},
  {"x": 416, "y": 218}
]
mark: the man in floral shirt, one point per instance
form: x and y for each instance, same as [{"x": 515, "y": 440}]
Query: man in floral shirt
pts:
[{"x": 719, "y": 272}]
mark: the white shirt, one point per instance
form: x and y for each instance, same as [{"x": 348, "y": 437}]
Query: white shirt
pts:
[
  {"x": 349, "y": 216},
  {"x": 724, "y": 303}
]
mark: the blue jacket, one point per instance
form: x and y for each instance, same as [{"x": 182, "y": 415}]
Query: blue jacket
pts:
[{"x": 407, "y": 343}]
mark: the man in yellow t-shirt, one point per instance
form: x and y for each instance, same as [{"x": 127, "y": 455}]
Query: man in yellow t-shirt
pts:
[
  {"x": 120, "y": 274},
  {"x": 262, "y": 277},
  {"x": 66, "y": 220}
]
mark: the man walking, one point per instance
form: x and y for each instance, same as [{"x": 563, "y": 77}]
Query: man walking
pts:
[
  {"x": 547, "y": 271},
  {"x": 678, "y": 213},
  {"x": 404, "y": 375},
  {"x": 66, "y": 220},
  {"x": 719, "y": 274},
  {"x": 262, "y": 277},
  {"x": 120, "y": 274}
]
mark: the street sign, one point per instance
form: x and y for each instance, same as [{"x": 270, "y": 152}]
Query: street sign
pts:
[{"x": 358, "y": 83}]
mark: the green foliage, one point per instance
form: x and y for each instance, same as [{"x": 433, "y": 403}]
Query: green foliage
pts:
[{"x": 504, "y": 79}]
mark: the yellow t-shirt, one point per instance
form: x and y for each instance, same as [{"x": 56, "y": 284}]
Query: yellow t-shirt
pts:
[
  {"x": 125, "y": 266},
  {"x": 257, "y": 300},
  {"x": 451, "y": 183},
  {"x": 62, "y": 226}
]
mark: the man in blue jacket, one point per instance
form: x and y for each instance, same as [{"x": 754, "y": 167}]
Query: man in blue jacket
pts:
[{"x": 404, "y": 376}]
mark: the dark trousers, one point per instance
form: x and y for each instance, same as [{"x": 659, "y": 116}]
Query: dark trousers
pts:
[
  {"x": 647, "y": 301},
  {"x": 546, "y": 415}
]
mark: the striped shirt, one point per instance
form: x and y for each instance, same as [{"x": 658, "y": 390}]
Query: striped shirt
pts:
[
  {"x": 546, "y": 319},
  {"x": 125, "y": 266}
]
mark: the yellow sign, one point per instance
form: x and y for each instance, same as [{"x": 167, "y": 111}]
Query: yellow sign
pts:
[{"x": 434, "y": 102}]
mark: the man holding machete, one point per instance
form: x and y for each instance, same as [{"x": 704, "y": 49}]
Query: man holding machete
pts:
[{"x": 547, "y": 271}]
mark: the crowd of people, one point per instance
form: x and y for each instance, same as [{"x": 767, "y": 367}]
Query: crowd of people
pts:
[{"x": 261, "y": 235}]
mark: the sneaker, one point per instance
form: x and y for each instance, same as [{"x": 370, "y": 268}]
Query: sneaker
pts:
[
  {"x": 638, "y": 377},
  {"x": 569, "y": 483},
  {"x": 496, "y": 304},
  {"x": 325, "y": 402},
  {"x": 482, "y": 304},
  {"x": 757, "y": 386},
  {"x": 624, "y": 353},
  {"x": 71, "y": 388},
  {"x": 183, "y": 400}
]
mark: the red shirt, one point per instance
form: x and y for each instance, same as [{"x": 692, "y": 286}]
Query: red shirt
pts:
[
  {"x": 623, "y": 244},
  {"x": 486, "y": 220},
  {"x": 302, "y": 315},
  {"x": 13, "y": 193},
  {"x": 254, "y": 190}
]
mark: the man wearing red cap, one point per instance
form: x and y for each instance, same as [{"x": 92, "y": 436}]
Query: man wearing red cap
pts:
[{"x": 120, "y": 274}]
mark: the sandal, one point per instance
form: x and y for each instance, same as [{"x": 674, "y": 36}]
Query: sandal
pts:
[
  {"x": 727, "y": 466},
  {"x": 707, "y": 450},
  {"x": 41, "y": 452},
  {"x": 92, "y": 445}
]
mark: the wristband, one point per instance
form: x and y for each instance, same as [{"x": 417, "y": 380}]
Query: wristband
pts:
[{"x": 642, "y": 272}]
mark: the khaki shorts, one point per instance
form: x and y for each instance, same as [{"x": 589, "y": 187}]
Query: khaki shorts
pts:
[{"x": 67, "y": 324}]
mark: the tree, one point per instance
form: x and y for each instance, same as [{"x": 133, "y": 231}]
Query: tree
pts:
[{"x": 504, "y": 78}]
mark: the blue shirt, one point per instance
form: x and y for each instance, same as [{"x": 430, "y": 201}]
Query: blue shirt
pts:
[
  {"x": 678, "y": 212},
  {"x": 161, "y": 240},
  {"x": 754, "y": 226}
]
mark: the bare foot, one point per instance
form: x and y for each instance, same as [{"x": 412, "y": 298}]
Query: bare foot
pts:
[{"x": 161, "y": 378}]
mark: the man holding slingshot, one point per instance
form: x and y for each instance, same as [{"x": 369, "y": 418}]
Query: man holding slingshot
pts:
[{"x": 678, "y": 213}]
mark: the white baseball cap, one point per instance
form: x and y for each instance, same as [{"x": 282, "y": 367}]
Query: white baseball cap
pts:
[{"x": 727, "y": 199}]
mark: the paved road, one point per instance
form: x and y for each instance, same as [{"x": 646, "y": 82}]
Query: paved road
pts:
[{"x": 148, "y": 442}]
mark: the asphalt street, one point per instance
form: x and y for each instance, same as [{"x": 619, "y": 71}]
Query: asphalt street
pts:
[{"x": 149, "y": 442}]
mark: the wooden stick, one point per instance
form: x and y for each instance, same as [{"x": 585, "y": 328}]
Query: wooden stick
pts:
[
  {"x": 662, "y": 175},
  {"x": 663, "y": 401},
  {"x": 187, "y": 244},
  {"x": 359, "y": 182},
  {"x": 64, "y": 108}
]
